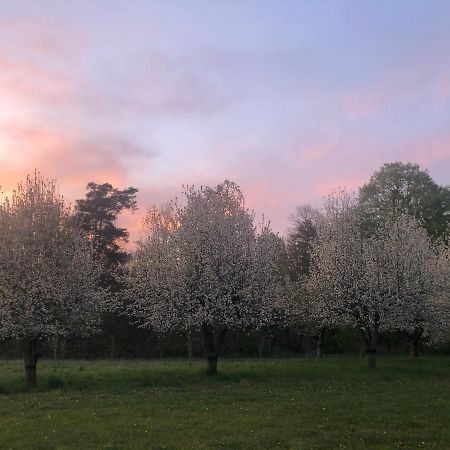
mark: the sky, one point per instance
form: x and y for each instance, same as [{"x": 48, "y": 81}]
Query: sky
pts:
[{"x": 289, "y": 99}]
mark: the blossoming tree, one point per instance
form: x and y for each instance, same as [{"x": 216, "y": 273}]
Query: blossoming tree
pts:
[
  {"x": 195, "y": 267},
  {"x": 394, "y": 280},
  {"x": 48, "y": 277},
  {"x": 346, "y": 294},
  {"x": 412, "y": 271}
]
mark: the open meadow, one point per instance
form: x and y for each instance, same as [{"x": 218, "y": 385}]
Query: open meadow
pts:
[{"x": 274, "y": 403}]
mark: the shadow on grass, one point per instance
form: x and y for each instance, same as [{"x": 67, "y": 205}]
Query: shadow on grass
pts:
[{"x": 123, "y": 375}]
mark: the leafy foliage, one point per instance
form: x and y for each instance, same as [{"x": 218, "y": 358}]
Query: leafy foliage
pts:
[
  {"x": 97, "y": 214},
  {"x": 405, "y": 188}
]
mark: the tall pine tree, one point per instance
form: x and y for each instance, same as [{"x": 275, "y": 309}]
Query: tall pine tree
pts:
[{"x": 97, "y": 216}]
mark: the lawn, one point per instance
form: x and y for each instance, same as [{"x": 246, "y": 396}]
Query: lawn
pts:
[{"x": 252, "y": 404}]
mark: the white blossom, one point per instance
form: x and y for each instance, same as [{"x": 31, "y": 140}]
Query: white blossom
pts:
[
  {"x": 47, "y": 273},
  {"x": 204, "y": 266}
]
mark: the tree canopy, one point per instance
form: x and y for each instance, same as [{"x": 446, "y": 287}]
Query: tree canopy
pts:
[
  {"x": 405, "y": 188},
  {"x": 48, "y": 275},
  {"x": 97, "y": 215},
  {"x": 205, "y": 265}
]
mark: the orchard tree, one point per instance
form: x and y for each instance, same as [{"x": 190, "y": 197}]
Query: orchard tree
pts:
[
  {"x": 194, "y": 269},
  {"x": 269, "y": 286},
  {"x": 316, "y": 310},
  {"x": 396, "y": 279},
  {"x": 413, "y": 270},
  {"x": 331, "y": 254},
  {"x": 398, "y": 188},
  {"x": 342, "y": 282},
  {"x": 49, "y": 280},
  {"x": 154, "y": 295}
]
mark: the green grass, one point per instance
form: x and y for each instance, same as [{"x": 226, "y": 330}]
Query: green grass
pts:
[{"x": 290, "y": 403}]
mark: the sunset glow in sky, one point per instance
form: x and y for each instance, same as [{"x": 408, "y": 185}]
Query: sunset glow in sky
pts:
[{"x": 287, "y": 99}]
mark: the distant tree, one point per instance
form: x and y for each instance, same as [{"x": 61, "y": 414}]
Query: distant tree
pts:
[
  {"x": 97, "y": 216},
  {"x": 393, "y": 280},
  {"x": 299, "y": 241},
  {"x": 269, "y": 286},
  {"x": 49, "y": 281},
  {"x": 413, "y": 271},
  {"x": 315, "y": 310},
  {"x": 155, "y": 290},
  {"x": 404, "y": 188},
  {"x": 195, "y": 268},
  {"x": 340, "y": 279}
]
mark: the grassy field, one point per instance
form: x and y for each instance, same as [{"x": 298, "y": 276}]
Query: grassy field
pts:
[{"x": 290, "y": 403}]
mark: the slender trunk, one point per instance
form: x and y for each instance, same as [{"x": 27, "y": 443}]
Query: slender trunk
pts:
[
  {"x": 189, "y": 347},
  {"x": 112, "y": 352},
  {"x": 414, "y": 339},
  {"x": 30, "y": 356},
  {"x": 55, "y": 349},
  {"x": 320, "y": 343},
  {"x": 413, "y": 348},
  {"x": 260, "y": 346},
  {"x": 291, "y": 340},
  {"x": 160, "y": 346},
  {"x": 84, "y": 348},
  {"x": 63, "y": 348},
  {"x": 371, "y": 341},
  {"x": 371, "y": 358},
  {"x": 212, "y": 364},
  {"x": 214, "y": 338}
]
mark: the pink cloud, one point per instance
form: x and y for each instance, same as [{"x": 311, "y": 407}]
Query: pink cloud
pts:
[{"x": 72, "y": 158}]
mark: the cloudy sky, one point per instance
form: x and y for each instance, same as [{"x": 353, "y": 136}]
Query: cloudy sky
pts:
[{"x": 286, "y": 98}]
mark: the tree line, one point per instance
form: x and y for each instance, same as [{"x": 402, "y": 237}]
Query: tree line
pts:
[{"x": 374, "y": 262}]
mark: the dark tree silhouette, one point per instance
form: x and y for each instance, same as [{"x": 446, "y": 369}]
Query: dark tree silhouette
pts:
[
  {"x": 97, "y": 214},
  {"x": 299, "y": 241}
]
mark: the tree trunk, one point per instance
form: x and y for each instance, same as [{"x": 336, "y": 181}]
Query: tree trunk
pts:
[
  {"x": 371, "y": 341},
  {"x": 371, "y": 358},
  {"x": 112, "y": 352},
  {"x": 212, "y": 365},
  {"x": 291, "y": 340},
  {"x": 260, "y": 346},
  {"x": 30, "y": 356},
  {"x": 63, "y": 348},
  {"x": 189, "y": 346},
  {"x": 414, "y": 342},
  {"x": 308, "y": 344},
  {"x": 56, "y": 346},
  {"x": 320, "y": 343},
  {"x": 160, "y": 345},
  {"x": 214, "y": 338}
]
